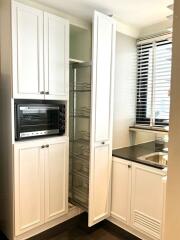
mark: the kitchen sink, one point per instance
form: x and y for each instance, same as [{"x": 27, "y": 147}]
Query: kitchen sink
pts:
[{"x": 160, "y": 158}]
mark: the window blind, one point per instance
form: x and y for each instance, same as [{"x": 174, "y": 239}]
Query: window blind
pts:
[{"x": 153, "y": 81}]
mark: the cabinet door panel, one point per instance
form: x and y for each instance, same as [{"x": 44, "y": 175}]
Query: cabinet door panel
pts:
[
  {"x": 56, "y": 180},
  {"x": 147, "y": 200},
  {"x": 27, "y": 25},
  {"x": 56, "y": 51},
  {"x": 29, "y": 188},
  {"x": 121, "y": 190},
  {"x": 103, "y": 73},
  {"x": 100, "y": 184}
]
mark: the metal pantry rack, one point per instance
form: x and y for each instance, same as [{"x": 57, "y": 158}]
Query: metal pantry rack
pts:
[{"x": 80, "y": 111}]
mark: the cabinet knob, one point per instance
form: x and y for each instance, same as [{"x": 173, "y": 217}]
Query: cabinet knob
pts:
[
  {"x": 47, "y": 146},
  {"x": 42, "y": 92},
  {"x": 47, "y": 93},
  {"x": 42, "y": 146},
  {"x": 129, "y": 166},
  {"x": 102, "y": 143}
]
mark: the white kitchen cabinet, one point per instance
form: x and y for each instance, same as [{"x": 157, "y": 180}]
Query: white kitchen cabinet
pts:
[
  {"x": 56, "y": 180},
  {"x": 138, "y": 197},
  {"x": 41, "y": 182},
  {"x": 121, "y": 190},
  {"x": 147, "y": 204},
  {"x": 29, "y": 186},
  {"x": 40, "y": 54},
  {"x": 56, "y": 52},
  {"x": 27, "y": 39}
]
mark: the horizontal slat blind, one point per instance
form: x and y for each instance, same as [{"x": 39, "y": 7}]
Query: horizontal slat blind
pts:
[{"x": 153, "y": 81}]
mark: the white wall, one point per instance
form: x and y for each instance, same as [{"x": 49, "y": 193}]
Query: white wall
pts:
[
  {"x": 124, "y": 89},
  {"x": 155, "y": 28},
  {"x": 125, "y": 95}
]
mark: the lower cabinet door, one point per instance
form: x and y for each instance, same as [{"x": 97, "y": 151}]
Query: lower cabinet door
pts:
[
  {"x": 147, "y": 200},
  {"x": 100, "y": 184},
  {"x": 121, "y": 190},
  {"x": 29, "y": 186},
  {"x": 56, "y": 179}
]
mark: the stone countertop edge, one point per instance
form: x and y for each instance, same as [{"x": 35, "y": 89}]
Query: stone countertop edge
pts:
[{"x": 132, "y": 153}]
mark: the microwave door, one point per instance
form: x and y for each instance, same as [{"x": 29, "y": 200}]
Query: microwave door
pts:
[{"x": 39, "y": 120}]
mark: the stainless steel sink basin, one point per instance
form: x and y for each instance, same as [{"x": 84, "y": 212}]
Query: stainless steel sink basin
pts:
[{"x": 157, "y": 157}]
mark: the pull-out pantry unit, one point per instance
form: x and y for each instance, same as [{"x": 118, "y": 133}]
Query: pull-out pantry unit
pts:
[{"x": 91, "y": 102}]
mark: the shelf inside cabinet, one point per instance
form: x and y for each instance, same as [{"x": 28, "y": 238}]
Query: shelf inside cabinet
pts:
[
  {"x": 80, "y": 189},
  {"x": 81, "y": 173},
  {"x": 80, "y": 166},
  {"x": 81, "y": 90},
  {"x": 81, "y": 141},
  {"x": 81, "y": 137},
  {"x": 80, "y": 110},
  {"x": 79, "y": 199},
  {"x": 81, "y": 156},
  {"x": 73, "y": 60},
  {"x": 81, "y": 183},
  {"x": 79, "y": 116},
  {"x": 81, "y": 149},
  {"x": 83, "y": 112},
  {"x": 81, "y": 87}
]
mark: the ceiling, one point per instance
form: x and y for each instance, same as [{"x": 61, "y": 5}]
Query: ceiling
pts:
[{"x": 138, "y": 13}]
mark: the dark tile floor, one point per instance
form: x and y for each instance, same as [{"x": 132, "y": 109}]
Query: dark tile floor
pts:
[
  {"x": 99, "y": 234},
  {"x": 76, "y": 229}
]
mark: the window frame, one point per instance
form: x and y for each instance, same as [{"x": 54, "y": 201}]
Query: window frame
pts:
[{"x": 141, "y": 106}]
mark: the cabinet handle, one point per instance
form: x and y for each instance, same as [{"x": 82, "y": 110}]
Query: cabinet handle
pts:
[
  {"x": 47, "y": 93},
  {"x": 42, "y": 92}
]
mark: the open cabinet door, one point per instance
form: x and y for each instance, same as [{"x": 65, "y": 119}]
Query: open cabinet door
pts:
[{"x": 104, "y": 35}]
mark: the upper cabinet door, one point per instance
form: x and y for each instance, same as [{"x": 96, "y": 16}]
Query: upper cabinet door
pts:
[
  {"x": 56, "y": 52},
  {"x": 27, "y": 36},
  {"x": 104, "y": 35}
]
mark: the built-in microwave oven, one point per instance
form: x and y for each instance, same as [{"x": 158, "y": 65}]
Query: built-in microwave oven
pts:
[{"x": 35, "y": 120}]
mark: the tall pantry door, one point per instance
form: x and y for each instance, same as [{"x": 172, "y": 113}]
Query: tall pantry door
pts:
[{"x": 104, "y": 35}]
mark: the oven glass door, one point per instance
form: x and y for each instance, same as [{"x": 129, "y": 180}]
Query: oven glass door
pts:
[{"x": 38, "y": 120}]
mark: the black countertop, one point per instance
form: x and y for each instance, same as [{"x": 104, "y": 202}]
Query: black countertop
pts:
[{"x": 133, "y": 153}]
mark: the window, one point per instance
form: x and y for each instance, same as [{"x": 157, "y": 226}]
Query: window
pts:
[{"x": 153, "y": 80}]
